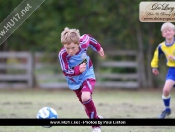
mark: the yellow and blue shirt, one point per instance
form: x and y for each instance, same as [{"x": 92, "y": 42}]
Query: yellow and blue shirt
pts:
[{"x": 166, "y": 49}]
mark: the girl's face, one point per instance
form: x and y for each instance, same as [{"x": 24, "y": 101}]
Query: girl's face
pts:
[
  {"x": 168, "y": 33},
  {"x": 71, "y": 48}
]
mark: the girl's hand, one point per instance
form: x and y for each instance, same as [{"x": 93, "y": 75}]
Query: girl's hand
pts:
[
  {"x": 82, "y": 67},
  {"x": 101, "y": 52},
  {"x": 170, "y": 57},
  {"x": 155, "y": 71}
]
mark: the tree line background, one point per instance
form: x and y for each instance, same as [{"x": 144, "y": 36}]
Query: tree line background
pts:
[{"x": 115, "y": 24}]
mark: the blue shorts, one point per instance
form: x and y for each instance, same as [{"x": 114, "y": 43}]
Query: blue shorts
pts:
[{"x": 171, "y": 73}]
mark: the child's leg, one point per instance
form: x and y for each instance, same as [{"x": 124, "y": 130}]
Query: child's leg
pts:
[
  {"x": 89, "y": 105},
  {"x": 166, "y": 98},
  {"x": 87, "y": 89},
  {"x": 79, "y": 93},
  {"x": 84, "y": 96},
  {"x": 166, "y": 93}
]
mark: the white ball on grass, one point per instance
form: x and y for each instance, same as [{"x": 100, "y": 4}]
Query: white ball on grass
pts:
[{"x": 47, "y": 113}]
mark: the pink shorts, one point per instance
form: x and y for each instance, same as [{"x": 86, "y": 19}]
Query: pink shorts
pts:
[{"x": 87, "y": 86}]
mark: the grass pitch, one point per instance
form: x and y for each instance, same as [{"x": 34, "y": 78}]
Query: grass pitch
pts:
[{"x": 110, "y": 103}]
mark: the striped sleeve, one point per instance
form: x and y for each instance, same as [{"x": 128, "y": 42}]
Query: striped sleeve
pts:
[
  {"x": 156, "y": 56},
  {"x": 87, "y": 40},
  {"x": 65, "y": 65}
]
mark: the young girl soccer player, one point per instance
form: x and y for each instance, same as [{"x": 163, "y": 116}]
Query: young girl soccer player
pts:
[
  {"x": 168, "y": 49},
  {"x": 78, "y": 69}
]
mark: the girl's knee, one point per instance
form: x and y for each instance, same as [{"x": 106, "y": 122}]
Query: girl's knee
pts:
[
  {"x": 85, "y": 98},
  {"x": 166, "y": 92}
]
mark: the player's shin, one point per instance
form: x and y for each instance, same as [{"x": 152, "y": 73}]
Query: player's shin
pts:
[
  {"x": 90, "y": 109},
  {"x": 166, "y": 100}
]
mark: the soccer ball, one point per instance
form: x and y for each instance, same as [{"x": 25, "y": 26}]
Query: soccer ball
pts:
[{"x": 47, "y": 113}]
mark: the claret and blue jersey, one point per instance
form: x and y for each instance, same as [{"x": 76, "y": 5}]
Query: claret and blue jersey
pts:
[{"x": 70, "y": 64}]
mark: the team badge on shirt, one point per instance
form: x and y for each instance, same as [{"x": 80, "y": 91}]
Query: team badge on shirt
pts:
[{"x": 83, "y": 57}]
